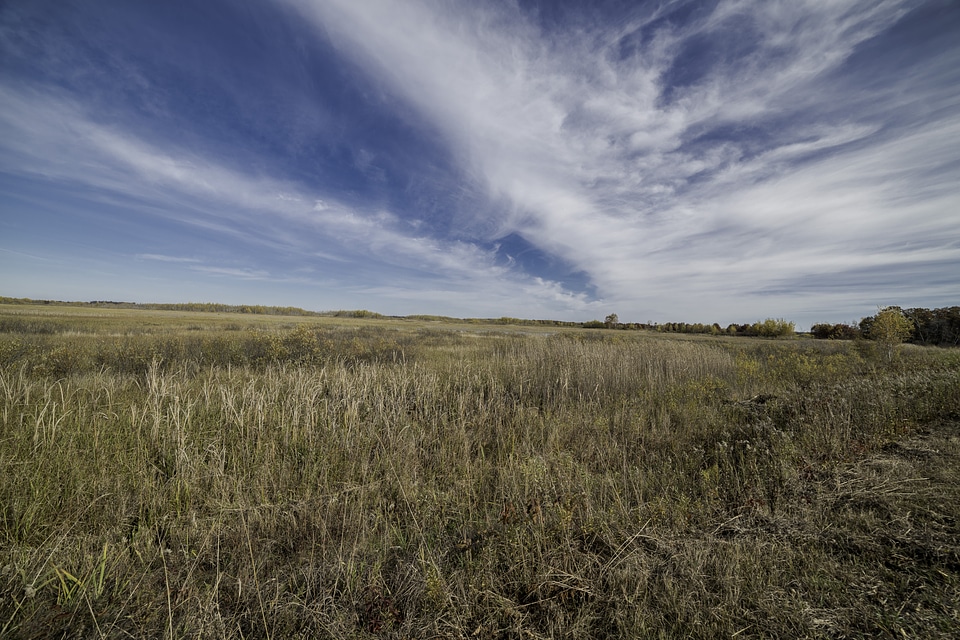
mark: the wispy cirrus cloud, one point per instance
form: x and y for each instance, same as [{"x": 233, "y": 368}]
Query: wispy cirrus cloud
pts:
[
  {"x": 262, "y": 211},
  {"x": 163, "y": 258},
  {"x": 708, "y": 158}
]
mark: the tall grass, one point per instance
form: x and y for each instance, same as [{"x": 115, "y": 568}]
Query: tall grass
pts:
[{"x": 342, "y": 482}]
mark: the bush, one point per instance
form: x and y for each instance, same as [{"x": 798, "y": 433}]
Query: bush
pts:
[{"x": 773, "y": 328}]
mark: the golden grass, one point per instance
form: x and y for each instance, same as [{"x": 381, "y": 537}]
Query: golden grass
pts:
[{"x": 387, "y": 479}]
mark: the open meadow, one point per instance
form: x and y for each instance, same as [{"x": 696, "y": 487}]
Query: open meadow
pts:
[{"x": 201, "y": 475}]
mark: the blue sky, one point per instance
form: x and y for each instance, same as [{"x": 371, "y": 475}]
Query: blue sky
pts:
[{"x": 718, "y": 161}]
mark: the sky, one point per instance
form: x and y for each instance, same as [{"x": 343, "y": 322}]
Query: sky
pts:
[{"x": 711, "y": 161}]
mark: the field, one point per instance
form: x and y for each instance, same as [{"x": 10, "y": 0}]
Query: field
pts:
[{"x": 202, "y": 475}]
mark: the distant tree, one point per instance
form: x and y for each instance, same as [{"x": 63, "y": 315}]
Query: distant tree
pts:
[
  {"x": 612, "y": 321},
  {"x": 935, "y": 326},
  {"x": 840, "y": 331},
  {"x": 890, "y": 327},
  {"x": 922, "y": 323},
  {"x": 947, "y": 321},
  {"x": 821, "y": 331}
]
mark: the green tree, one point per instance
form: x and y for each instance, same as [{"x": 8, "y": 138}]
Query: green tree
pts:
[{"x": 612, "y": 320}]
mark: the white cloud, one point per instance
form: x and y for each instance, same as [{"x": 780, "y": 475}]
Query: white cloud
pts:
[
  {"x": 243, "y": 274},
  {"x": 595, "y": 160},
  {"x": 282, "y": 216},
  {"x": 163, "y": 258}
]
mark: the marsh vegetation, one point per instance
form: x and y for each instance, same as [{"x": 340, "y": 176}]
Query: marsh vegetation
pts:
[{"x": 172, "y": 474}]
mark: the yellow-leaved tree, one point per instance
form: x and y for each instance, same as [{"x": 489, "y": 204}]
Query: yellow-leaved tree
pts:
[{"x": 890, "y": 327}]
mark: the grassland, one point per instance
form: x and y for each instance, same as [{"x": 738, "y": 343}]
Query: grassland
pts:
[{"x": 168, "y": 474}]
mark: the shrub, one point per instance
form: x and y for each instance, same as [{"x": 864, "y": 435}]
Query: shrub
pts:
[{"x": 773, "y": 328}]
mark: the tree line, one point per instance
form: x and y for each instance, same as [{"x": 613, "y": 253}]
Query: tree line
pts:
[
  {"x": 769, "y": 328},
  {"x": 889, "y": 325},
  {"x": 919, "y": 326}
]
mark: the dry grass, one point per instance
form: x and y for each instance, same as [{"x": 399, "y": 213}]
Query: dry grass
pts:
[{"x": 397, "y": 481}]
